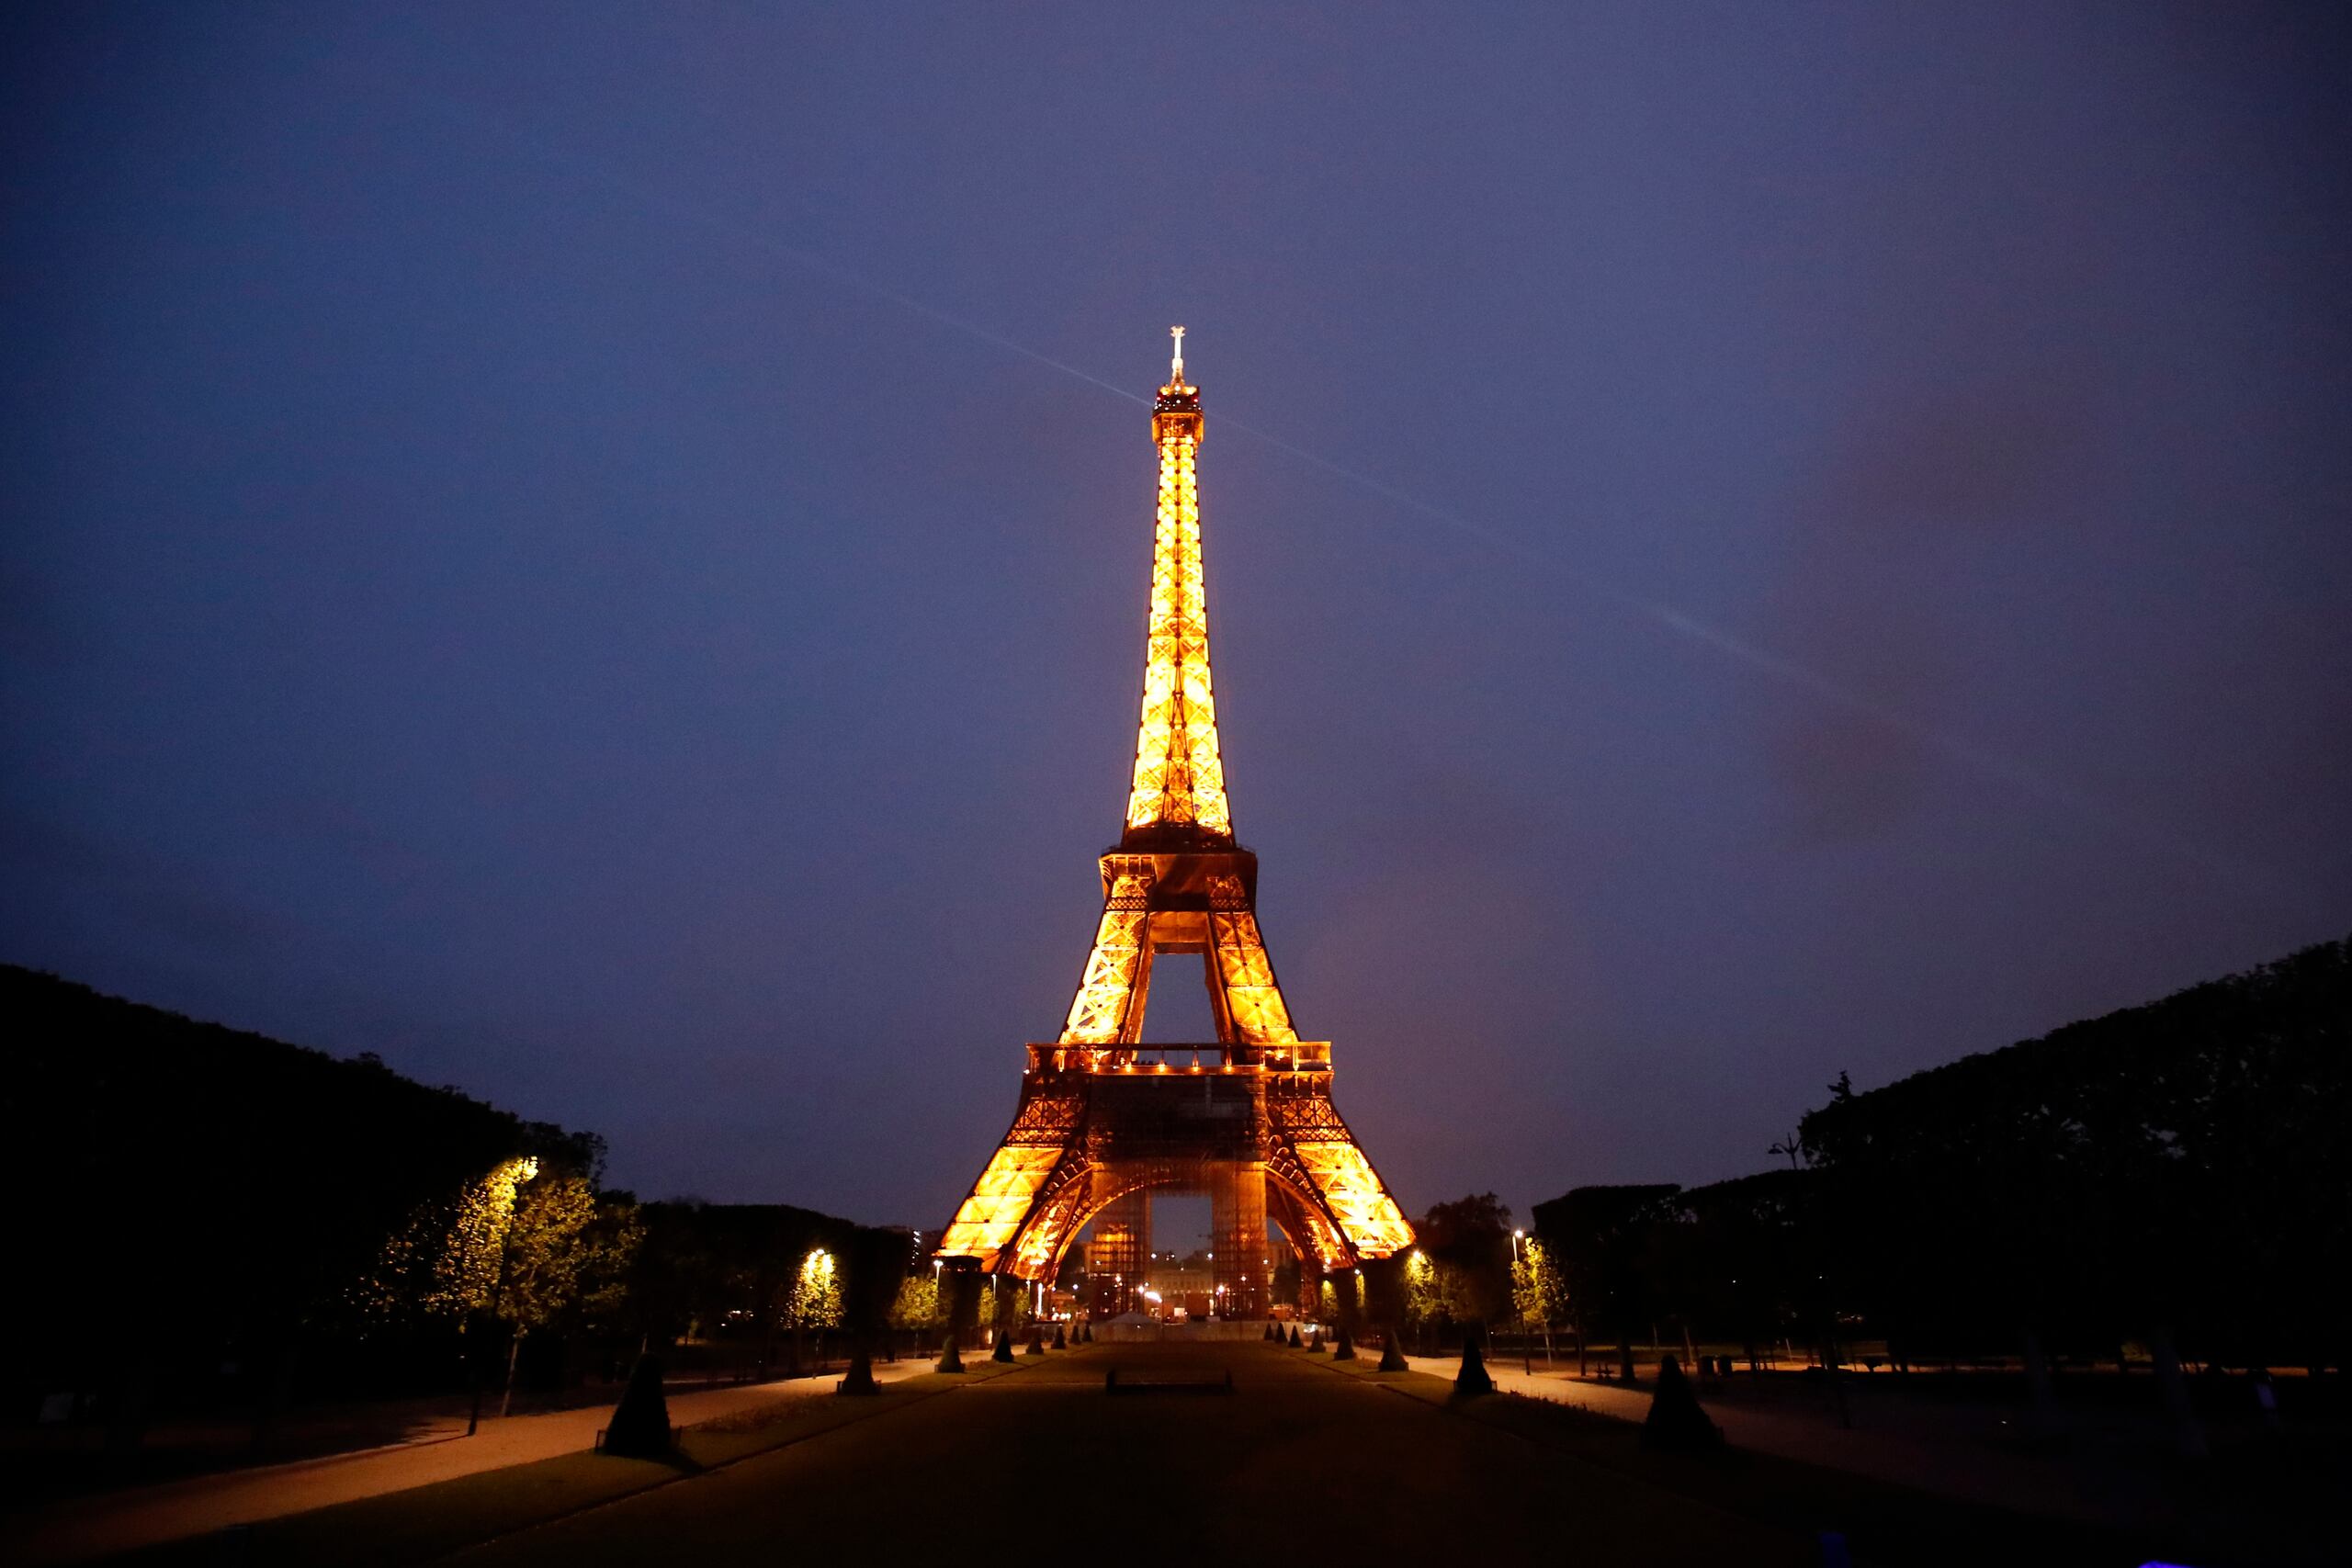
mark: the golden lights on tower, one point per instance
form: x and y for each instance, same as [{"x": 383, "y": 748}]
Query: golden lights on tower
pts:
[
  {"x": 1178, "y": 780},
  {"x": 1178, "y": 883}
]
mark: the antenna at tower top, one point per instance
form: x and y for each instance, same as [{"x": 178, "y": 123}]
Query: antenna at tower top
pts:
[{"x": 1176, "y": 361}]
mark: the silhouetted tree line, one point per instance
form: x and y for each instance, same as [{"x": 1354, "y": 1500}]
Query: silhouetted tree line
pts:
[
  {"x": 776, "y": 1282},
  {"x": 2176, "y": 1174},
  {"x": 1738, "y": 1261},
  {"x": 207, "y": 1217}
]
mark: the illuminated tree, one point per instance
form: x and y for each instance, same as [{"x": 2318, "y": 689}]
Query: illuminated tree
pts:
[
  {"x": 517, "y": 1248},
  {"x": 917, "y": 1302},
  {"x": 446, "y": 1260},
  {"x": 562, "y": 1255},
  {"x": 1424, "y": 1298},
  {"x": 471, "y": 1256},
  {"x": 1538, "y": 1293},
  {"x": 814, "y": 1300}
]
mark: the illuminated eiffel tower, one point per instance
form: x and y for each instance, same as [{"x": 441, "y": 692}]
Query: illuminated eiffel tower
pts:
[{"x": 1105, "y": 1121}]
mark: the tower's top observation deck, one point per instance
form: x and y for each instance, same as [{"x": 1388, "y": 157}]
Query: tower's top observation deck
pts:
[{"x": 1176, "y": 412}]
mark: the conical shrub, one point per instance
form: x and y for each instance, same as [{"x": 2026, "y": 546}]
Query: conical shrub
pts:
[
  {"x": 860, "y": 1377},
  {"x": 641, "y": 1424},
  {"x": 1294, "y": 1336},
  {"x": 1003, "y": 1351},
  {"x": 1473, "y": 1379},
  {"x": 1344, "y": 1348},
  {"x": 1676, "y": 1422},
  {"x": 1061, "y": 1342},
  {"x": 1391, "y": 1354},
  {"x": 951, "y": 1358}
]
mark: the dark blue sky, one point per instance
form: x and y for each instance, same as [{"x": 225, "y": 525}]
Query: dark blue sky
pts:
[{"x": 556, "y": 544}]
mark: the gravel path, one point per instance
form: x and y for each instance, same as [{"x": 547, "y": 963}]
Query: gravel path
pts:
[{"x": 121, "y": 1522}]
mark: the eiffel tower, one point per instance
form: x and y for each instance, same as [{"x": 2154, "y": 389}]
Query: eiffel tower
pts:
[{"x": 1105, "y": 1120}]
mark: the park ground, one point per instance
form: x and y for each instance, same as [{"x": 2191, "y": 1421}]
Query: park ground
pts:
[{"x": 1302, "y": 1455}]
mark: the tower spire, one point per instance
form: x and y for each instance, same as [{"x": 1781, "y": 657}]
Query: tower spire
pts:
[{"x": 1177, "y": 798}]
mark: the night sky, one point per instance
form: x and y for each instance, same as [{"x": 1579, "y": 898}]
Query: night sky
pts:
[{"x": 600, "y": 553}]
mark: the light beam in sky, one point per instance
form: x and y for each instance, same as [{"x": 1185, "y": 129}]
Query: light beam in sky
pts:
[{"x": 2008, "y": 770}]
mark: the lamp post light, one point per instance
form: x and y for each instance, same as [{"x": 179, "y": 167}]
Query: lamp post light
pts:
[
  {"x": 1526, "y": 1353},
  {"x": 501, "y": 1188}
]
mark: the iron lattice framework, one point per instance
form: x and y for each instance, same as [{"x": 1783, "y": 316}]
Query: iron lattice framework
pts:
[{"x": 1104, "y": 1119}]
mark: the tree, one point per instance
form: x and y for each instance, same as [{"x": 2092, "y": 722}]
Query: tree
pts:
[
  {"x": 1423, "y": 1302},
  {"x": 916, "y": 1306},
  {"x": 1538, "y": 1293},
  {"x": 813, "y": 1300},
  {"x": 2179, "y": 1165},
  {"x": 816, "y": 1298},
  {"x": 446, "y": 1260},
  {"x": 1603, "y": 1237},
  {"x": 516, "y": 1248},
  {"x": 1748, "y": 1262},
  {"x": 1469, "y": 1242},
  {"x": 562, "y": 1255},
  {"x": 130, "y": 1120},
  {"x": 729, "y": 1271}
]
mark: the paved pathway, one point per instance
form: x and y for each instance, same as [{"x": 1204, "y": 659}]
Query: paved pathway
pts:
[
  {"x": 121, "y": 1521},
  {"x": 1295, "y": 1462}
]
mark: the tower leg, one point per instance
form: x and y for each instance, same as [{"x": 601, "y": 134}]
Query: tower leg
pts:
[
  {"x": 1119, "y": 1255},
  {"x": 1237, "y": 1218}
]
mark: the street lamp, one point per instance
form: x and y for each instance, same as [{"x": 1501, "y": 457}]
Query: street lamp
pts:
[{"x": 1526, "y": 1351}]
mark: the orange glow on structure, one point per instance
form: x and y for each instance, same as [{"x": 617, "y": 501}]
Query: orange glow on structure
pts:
[
  {"x": 1093, "y": 1135},
  {"x": 991, "y": 1216},
  {"x": 1369, "y": 1217},
  {"x": 1178, "y": 780}
]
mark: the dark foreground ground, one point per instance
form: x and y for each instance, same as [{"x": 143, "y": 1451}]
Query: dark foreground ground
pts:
[{"x": 1305, "y": 1460}]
